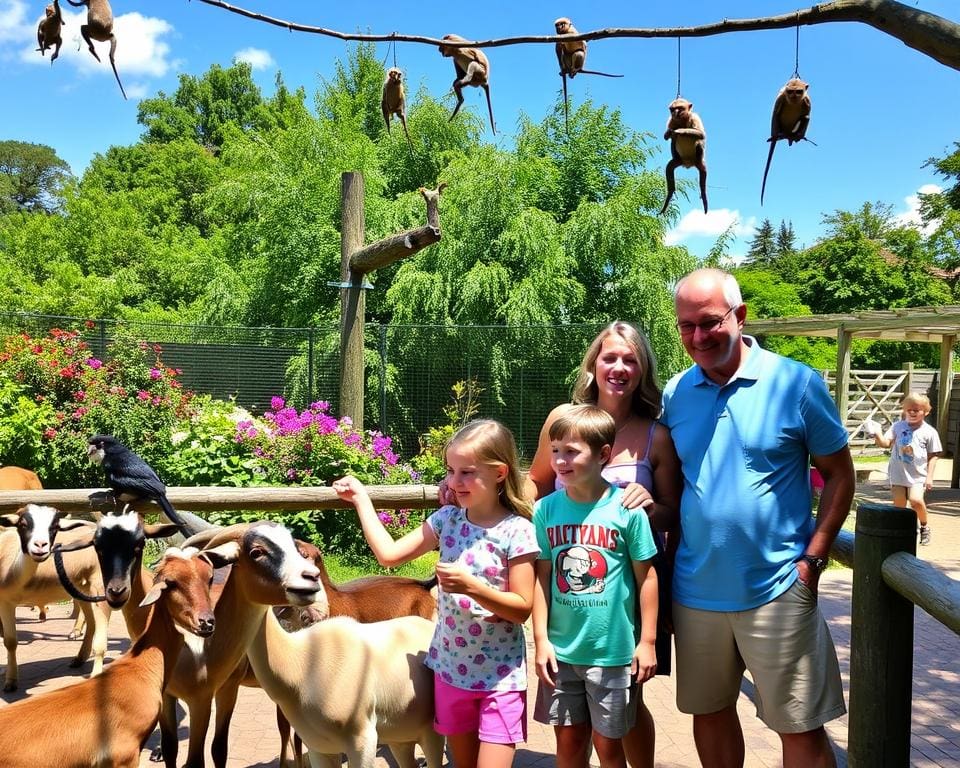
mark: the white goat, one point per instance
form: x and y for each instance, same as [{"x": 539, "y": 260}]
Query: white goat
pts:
[
  {"x": 27, "y": 577},
  {"x": 343, "y": 686}
]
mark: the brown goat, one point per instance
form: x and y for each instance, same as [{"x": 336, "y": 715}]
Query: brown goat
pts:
[
  {"x": 19, "y": 479},
  {"x": 366, "y": 599},
  {"x": 105, "y": 721}
]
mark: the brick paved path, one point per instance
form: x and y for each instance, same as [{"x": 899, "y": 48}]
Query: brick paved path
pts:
[{"x": 44, "y": 653}]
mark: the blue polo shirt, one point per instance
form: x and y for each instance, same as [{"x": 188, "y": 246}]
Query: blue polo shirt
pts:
[{"x": 744, "y": 449}]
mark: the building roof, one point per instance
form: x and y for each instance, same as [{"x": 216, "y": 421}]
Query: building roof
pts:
[{"x": 930, "y": 324}]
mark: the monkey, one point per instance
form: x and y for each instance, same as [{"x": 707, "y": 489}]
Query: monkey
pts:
[
  {"x": 99, "y": 27},
  {"x": 571, "y": 57},
  {"x": 791, "y": 116},
  {"x": 472, "y": 68},
  {"x": 48, "y": 31},
  {"x": 393, "y": 101},
  {"x": 130, "y": 477},
  {"x": 688, "y": 143}
]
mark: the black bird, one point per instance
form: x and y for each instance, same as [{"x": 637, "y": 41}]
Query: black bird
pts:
[{"x": 128, "y": 476}]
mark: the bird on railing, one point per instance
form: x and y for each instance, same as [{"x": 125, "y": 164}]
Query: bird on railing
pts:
[{"x": 130, "y": 477}]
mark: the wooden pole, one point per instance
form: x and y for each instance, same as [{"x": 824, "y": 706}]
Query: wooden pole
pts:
[
  {"x": 946, "y": 385},
  {"x": 351, "y": 298},
  {"x": 842, "y": 394},
  {"x": 881, "y": 643}
]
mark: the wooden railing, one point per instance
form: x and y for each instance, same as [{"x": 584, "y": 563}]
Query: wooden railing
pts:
[{"x": 888, "y": 580}]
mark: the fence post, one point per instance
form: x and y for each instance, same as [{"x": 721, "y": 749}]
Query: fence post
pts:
[
  {"x": 103, "y": 339},
  {"x": 310, "y": 368},
  {"x": 881, "y": 643},
  {"x": 382, "y": 348}
]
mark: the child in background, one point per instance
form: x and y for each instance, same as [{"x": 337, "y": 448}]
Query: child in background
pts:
[
  {"x": 595, "y": 556},
  {"x": 486, "y": 576},
  {"x": 915, "y": 448}
]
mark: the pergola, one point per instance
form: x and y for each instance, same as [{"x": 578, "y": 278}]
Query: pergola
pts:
[{"x": 936, "y": 325}]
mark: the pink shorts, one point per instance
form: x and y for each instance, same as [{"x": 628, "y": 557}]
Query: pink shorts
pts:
[{"x": 498, "y": 717}]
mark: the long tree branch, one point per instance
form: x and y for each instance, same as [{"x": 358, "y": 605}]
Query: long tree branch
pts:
[{"x": 926, "y": 32}]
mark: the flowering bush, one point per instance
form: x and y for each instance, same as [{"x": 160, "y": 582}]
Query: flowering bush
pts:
[{"x": 133, "y": 396}]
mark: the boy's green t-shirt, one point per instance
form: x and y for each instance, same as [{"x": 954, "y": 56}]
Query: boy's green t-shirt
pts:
[{"x": 592, "y": 589}]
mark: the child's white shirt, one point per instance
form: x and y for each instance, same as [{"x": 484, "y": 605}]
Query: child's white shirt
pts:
[{"x": 909, "y": 452}]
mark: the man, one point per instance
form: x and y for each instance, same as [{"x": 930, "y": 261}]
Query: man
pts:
[{"x": 746, "y": 422}]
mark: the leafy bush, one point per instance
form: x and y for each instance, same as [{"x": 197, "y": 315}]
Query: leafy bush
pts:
[
  {"x": 22, "y": 423},
  {"x": 133, "y": 396},
  {"x": 429, "y": 462}
]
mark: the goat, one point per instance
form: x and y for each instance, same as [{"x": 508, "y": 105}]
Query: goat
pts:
[
  {"x": 27, "y": 577},
  {"x": 19, "y": 479},
  {"x": 105, "y": 721},
  {"x": 367, "y": 599},
  {"x": 341, "y": 684}
]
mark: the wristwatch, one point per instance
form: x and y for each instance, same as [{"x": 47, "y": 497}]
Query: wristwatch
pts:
[{"x": 819, "y": 564}]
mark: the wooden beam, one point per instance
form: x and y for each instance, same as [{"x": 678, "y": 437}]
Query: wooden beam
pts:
[
  {"x": 384, "y": 252},
  {"x": 841, "y": 395},
  {"x": 946, "y": 385},
  {"x": 213, "y": 498}
]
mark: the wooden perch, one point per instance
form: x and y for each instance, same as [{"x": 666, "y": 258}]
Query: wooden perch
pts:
[
  {"x": 926, "y": 32},
  {"x": 400, "y": 246}
]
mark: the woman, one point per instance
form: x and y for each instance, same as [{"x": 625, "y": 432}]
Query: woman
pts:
[{"x": 618, "y": 374}]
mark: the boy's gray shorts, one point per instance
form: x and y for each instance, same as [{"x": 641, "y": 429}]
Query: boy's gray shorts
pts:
[{"x": 605, "y": 697}]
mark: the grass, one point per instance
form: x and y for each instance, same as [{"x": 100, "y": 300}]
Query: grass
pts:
[{"x": 341, "y": 570}]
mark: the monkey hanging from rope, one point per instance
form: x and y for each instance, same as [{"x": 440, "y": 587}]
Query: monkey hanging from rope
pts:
[
  {"x": 688, "y": 147},
  {"x": 99, "y": 27},
  {"x": 393, "y": 101},
  {"x": 48, "y": 30},
  {"x": 791, "y": 116}
]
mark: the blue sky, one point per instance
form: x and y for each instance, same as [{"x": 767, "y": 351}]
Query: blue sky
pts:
[{"x": 880, "y": 109}]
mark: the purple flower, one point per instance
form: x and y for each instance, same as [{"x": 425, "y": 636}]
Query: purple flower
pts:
[
  {"x": 491, "y": 571},
  {"x": 433, "y": 653},
  {"x": 385, "y": 517},
  {"x": 464, "y": 602},
  {"x": 450, "y": 622},
  {"x": 447, "y": 677},
  {"x": 479, "y": 658},
  {"x": 143, "y": 395},
  {"x": 155, "y": 373},
  {"x": 461, "y": 669},
  {"x": 470, "y": 559},
  {"x": 449, "y": 541},
  {"x": 291, "y": 474},
  {"x": 320, "y": 405},
  {"x": 277, "y": 403},
  {"x": 94, "y": 363},
  {"x": 477, "y": 686},
  {"x": 503, "y": 670},
  {"x": 464, "y": 530},
  {"x": 460, "y": 642},
  {"x": 475, "y": 629}
]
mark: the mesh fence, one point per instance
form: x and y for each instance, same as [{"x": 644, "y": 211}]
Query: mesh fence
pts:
[{"x": 518, "y": 373}]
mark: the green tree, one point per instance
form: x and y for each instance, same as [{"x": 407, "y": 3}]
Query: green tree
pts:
[
  {"x": 786, "y": 241},
  {"x": 763, "y": 247},
  {"x": 942, "y": 210},
  {"x": 32, "y": 177}
]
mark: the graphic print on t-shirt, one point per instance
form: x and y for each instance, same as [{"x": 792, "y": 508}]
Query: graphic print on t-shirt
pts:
[{"x": 580, "y": 570}]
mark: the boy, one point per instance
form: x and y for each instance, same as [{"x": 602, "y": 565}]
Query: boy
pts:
[
  {"x": 584, "y": 601},
  {"x": 916, "y": 446}
]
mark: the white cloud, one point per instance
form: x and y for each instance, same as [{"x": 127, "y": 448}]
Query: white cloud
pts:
[
  {"x": 141, "y": 49},
  {"x": 699, "y": 224},
  {"x": 255, "y": 57},
  {"x": 911, "y": 216},
  {"x": 14, "y": 23}
]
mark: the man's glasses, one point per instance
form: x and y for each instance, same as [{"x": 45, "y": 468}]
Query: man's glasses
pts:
[{"x": 707, "y": 326}]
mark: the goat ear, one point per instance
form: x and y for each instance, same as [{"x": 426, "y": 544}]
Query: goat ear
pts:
[
  {"x": 223, "y": 555},
  {"x": 160, "y": 530},
  {"x": 9, "y": 521},
  {"x": 154, "y": 594},
  {"x": 69, "y": 524}
]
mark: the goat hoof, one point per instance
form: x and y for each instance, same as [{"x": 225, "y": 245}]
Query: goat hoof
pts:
[
  {"x": 156, "y": 756},
  {"x": 10, "y": 685},
  {"x": 74, "y": 635}
]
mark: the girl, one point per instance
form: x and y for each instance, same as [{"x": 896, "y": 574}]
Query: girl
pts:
[{"x": 486, "y": 573}]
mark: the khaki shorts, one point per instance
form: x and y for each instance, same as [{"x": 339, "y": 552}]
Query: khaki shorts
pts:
[
  {"x": 605, "y": 697},
  {"x": 785, "y": 644}
]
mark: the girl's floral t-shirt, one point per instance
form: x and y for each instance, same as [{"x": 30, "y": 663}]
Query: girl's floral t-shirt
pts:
[{"x": 472, "y": 648}]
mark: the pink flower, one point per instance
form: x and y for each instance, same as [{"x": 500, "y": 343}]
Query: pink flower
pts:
[
  {"x": 49, "y": 433},
  {"x": 475, "y": 629},
  {"x": 155, "y": 374},
  {"x": 94, "y": 363},
  {"x": 276, "y": 403},
  {"x": 143, "y": 395},
  {"x": 460, "y": 642}
]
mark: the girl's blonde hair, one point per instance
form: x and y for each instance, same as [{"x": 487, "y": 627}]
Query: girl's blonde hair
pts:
[
  {"x": 915, "y": 398},
  {"x": 646, "y": 397},
  {"x": 492, "y": 443}
]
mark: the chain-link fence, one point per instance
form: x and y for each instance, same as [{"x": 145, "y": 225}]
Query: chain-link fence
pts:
[{"x": 518, "y": 373}]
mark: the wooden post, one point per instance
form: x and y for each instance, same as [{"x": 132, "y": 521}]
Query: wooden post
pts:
[
  {"x": 352, "y": 301},
  {"x": 881, "y": 643},
  {"x": 946, "y": 384},
  {"x": 842, "y": 394},
  {"x": 907, "y": 378}
]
